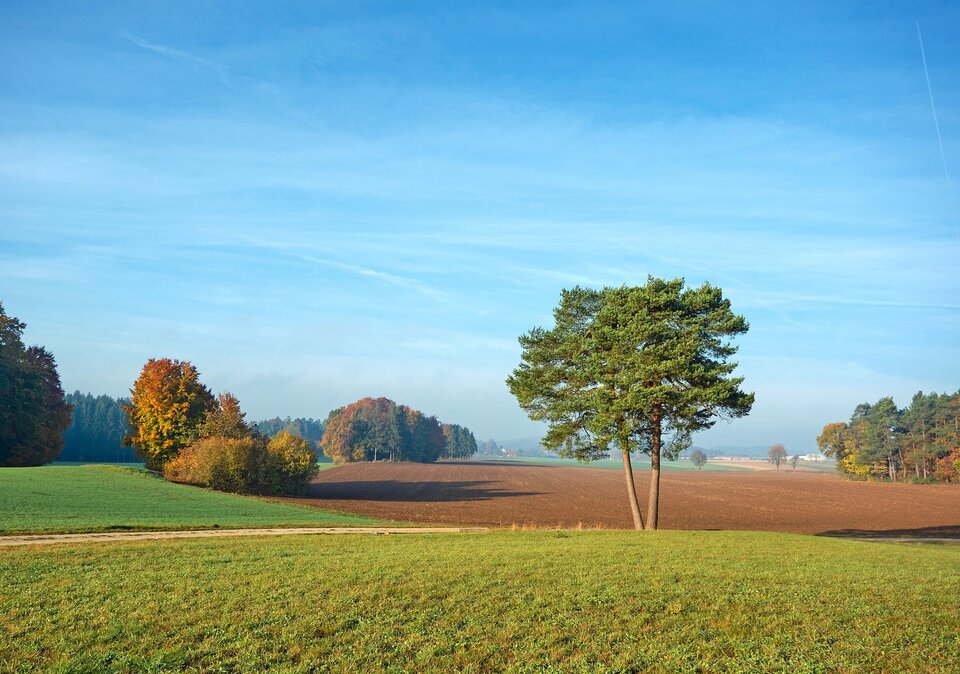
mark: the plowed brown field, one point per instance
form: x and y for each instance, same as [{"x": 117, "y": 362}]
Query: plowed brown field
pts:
[{"x": 501, "y": 494}]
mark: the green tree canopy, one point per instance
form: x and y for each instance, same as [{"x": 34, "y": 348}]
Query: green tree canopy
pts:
[
  {"x": 33, "y": 412},
  {"x": 460, "y": 442},
  {"x": 639, "y": 368}
]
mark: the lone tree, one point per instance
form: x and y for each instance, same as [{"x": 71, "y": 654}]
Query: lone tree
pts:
[
  {"x": 640, "y": 368},
  {"x": 698, "y": 458},
  {"x": 33, "y": 411},
  {"x": 794, "y": 460},
  {"x": 777, "y": 455},
  {"x": 167, "y": 406}
]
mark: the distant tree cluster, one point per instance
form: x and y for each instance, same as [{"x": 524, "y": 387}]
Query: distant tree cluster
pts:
[
  {"x": 33, "y": 410},
  {"x": 881, "y": 441},
  {"x": 374, "y": 429},
  {"x": 489, "y": 447},
  {"x": 310, "y": 430},
  {"x": 460, "y": 442},
  {"x": 181, "y": 429},
  {"x": 96, "y": 430}
]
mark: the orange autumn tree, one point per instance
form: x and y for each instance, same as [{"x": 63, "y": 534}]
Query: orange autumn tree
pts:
[
  {"x": 225, "y": 419},
  {"x": 167, "y": 405}
]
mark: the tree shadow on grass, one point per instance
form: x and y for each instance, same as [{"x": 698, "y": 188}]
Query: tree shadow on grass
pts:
[{"x": 411, "y": 492}]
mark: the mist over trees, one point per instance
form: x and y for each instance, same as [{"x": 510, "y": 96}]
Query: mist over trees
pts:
[
  {"x": 96, "y": 430},
  {"x": 310, "y": 430},
  {"x": 489, "y": 447},
  {"x": 376, "y": 429},
  {"x": 33, "y": 410},
  {"x": 881, "y": 441}
]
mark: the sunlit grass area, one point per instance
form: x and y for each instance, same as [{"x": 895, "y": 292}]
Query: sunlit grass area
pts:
[
  {"x": 102, "y": 497},
  {"x": 505, "y": 601}
]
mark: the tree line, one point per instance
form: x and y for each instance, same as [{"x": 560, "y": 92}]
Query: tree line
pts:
[
  {"x": 460, "y": 442},
  {"x": 170, "y": 410},
  {"x": 99, "y": 424},
  {"x": 375, "y": 429},
  {"x": 881, "y": 441},
  {"x": 97, "y": 428},
  {"x": 310, "y": 430}
]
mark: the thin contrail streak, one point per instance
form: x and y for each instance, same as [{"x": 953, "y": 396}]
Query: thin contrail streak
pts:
[{"x": 933, "y": 107}]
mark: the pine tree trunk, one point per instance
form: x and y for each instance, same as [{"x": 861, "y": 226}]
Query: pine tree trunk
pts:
[
  {"x": 653, "y": 502},
  {"x": 631, "y": 488}
]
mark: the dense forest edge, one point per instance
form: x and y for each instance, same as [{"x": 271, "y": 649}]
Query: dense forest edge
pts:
[{"x": 919, "y": 443}]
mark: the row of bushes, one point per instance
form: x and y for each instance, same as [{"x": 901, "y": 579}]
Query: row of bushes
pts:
[{"x": 251, "y": 464}]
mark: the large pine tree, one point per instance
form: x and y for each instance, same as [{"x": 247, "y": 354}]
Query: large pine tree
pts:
[{"x": 638, "y": 368}]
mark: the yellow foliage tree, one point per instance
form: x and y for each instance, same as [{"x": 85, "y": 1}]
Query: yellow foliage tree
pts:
[
  {"x": 840, "y": 441},
  {"x": 292, "y": 462}
]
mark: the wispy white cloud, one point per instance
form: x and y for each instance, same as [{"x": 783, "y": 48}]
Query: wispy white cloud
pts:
[
  {"x": 180, "y": 56},
  {"x": 297, "y": 251},
  {"x": 387, "y": 277}
]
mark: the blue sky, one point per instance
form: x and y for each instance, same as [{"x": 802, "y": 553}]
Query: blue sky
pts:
[{"x": 320, "y": 201}]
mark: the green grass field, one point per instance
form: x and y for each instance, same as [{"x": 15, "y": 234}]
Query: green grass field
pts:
[
  {"x": 99, "y": 498},
  {"x": 638, "y": 463},
  {"x": 508, "y": 601}
]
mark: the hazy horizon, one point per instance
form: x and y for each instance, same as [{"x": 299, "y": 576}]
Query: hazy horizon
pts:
[{"x": 319, "y": 203}]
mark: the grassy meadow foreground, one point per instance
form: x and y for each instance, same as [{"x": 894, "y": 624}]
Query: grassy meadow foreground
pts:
[
  {"x": 516, "y": 601},
  {"x": 55, "y": 499}
]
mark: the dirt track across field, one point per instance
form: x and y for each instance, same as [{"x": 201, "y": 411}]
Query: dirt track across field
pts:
[
  {"x": 115, "y": 536},
  {"x": 505, "y": 494}
]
